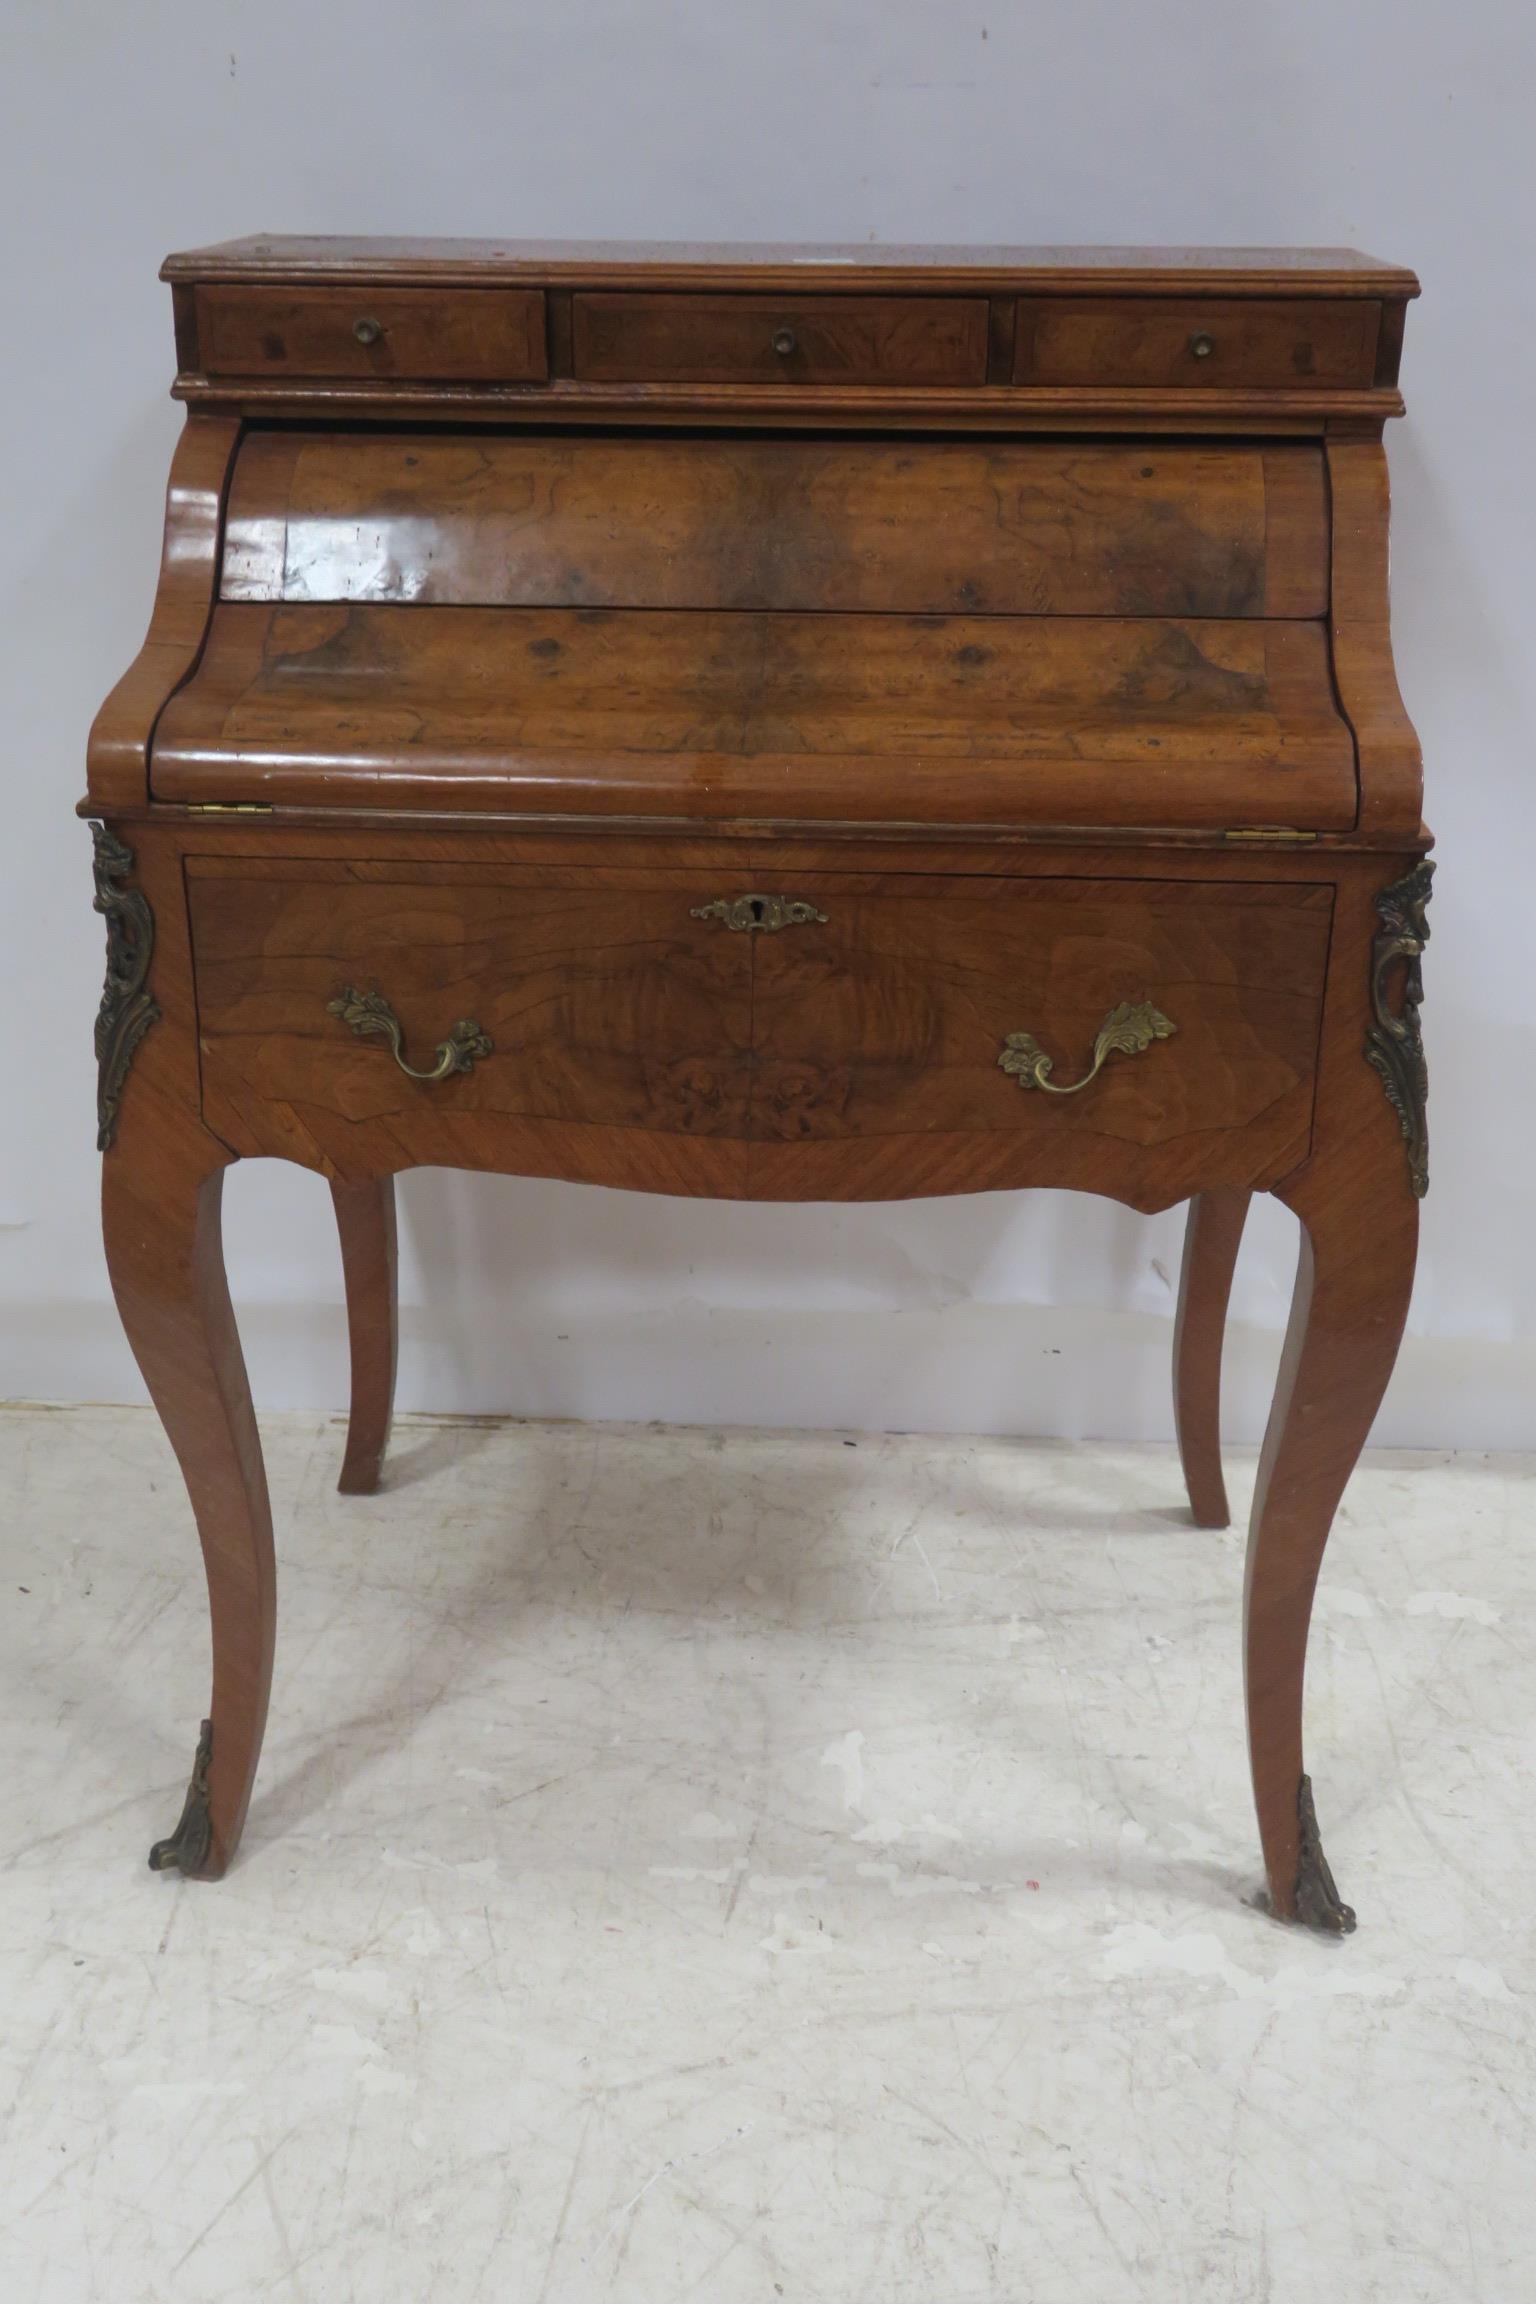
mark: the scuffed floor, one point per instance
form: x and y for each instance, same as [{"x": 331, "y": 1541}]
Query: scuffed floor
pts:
[{"x": 748, "y": 1865}]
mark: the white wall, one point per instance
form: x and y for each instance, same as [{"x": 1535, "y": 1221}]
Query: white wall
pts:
[{"x": 1402, "y": 128}]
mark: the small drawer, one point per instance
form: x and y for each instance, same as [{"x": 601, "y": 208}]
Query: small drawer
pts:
[
  {"x": 457, "y": 335},
  {"x": 640, "y": 339},
  {"x": 1221, "y": 342}
]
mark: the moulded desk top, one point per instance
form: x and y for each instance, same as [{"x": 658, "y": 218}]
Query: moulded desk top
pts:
[{"x": 1236, "y": 271}]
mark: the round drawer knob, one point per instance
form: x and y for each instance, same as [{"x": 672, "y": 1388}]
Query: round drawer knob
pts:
[
  {"x": 784, "y": 342},
  {"x": 367, "y": 331},
  {"x": 1202, "y": 345}
]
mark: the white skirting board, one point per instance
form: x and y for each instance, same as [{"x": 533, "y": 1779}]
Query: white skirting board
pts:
[{"x": 1026, "y": 1370}]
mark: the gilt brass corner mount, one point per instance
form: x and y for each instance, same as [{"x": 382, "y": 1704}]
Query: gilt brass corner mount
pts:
[
  {"x": 1318, "y": 1902},
  {"x": 127, "y": 1008},
  {"x": 1394, "y": 1044},
  {"x": 187, "y": 1848}
]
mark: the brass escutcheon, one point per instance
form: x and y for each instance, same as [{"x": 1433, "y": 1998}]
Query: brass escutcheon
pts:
[
  {"x": 1125, "y": 1031},
  {"x": 370, "y": 1016},
  {"x": 751, "y": 913}
]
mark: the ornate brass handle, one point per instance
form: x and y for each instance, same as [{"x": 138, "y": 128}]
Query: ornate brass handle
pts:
[
  {"x": 751, "y": 913},
  {"x": 370, "y": 1016},
  {"x": 1125, "y": 1031}
]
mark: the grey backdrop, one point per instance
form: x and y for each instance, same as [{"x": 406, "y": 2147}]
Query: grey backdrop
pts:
[{"x": 1401, "y": 128}]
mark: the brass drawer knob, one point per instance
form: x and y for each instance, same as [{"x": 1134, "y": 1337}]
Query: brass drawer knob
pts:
[
  {"x": 1202, "y": 344},
  {"x": 1125, "y": 1031},
  {"x": 370, "y": 1016},
  {"x": 751, "y": 913},
  {"x": 784, "y": 342},
  {"x": 367, "y": 331}
]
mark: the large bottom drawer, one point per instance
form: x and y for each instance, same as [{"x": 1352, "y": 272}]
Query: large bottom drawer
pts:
[{"x": 1076, "y": 1018}]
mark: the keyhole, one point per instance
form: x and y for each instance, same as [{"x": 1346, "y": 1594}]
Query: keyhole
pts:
[{"x": 759, "y": 910}]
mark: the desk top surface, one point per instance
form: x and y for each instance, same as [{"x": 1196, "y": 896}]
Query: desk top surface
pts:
[{"x": 1318, "y": 271}]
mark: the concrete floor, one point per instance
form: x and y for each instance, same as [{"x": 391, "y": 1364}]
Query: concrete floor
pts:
[{"x": 742, "y": 1866}]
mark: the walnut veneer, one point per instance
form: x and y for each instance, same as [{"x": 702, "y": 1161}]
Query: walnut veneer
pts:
[{"x": 787, "y": 724}]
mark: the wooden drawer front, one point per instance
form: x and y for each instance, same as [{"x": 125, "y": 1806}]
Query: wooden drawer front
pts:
[
  {"x": 466, "y": 335},
  {"x": 639, "y": 339},
  {"x": 623, "y": 1000},
  {"x": 604, "y": 1001},
  {"x": 890, "y": 1019},
  {"x": 1195, "y": 341}
]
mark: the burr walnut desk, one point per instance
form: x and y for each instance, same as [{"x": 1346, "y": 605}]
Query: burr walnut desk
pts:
[{"x": 780, "y": 724}]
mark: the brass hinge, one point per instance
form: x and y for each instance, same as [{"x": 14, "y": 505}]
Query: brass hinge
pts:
[
  {"x": 230, "y": 807},
  {"x": 1274, "y": 835}
]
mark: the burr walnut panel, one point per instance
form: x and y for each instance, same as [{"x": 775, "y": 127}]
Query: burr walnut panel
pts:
[
  {"x": 480, "y": 519},
  {"x": 604, "y": 1000},
  {"x": 626, "y": 1001},
  {"x": 889, "y": 1019},
  {"x": 704, "y": 716}
]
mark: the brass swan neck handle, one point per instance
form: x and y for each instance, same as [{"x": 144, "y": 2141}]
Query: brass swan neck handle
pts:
[
  {"x": 370, "y": 1016},
  {"x": 1125, "y": 1031}
]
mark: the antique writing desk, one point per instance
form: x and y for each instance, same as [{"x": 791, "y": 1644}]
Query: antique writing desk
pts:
[{"x": 777, "y": 724}]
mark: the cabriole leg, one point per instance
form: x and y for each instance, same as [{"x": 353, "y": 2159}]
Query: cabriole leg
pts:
[
  {"x": 1352, "y": 1288},
  {"x": 161, "y": 1222},
  {"x": 1358, "y": 1201},
  {"x": 1212, "y": 1237},
  {"x": 365, "y": 1218}
]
